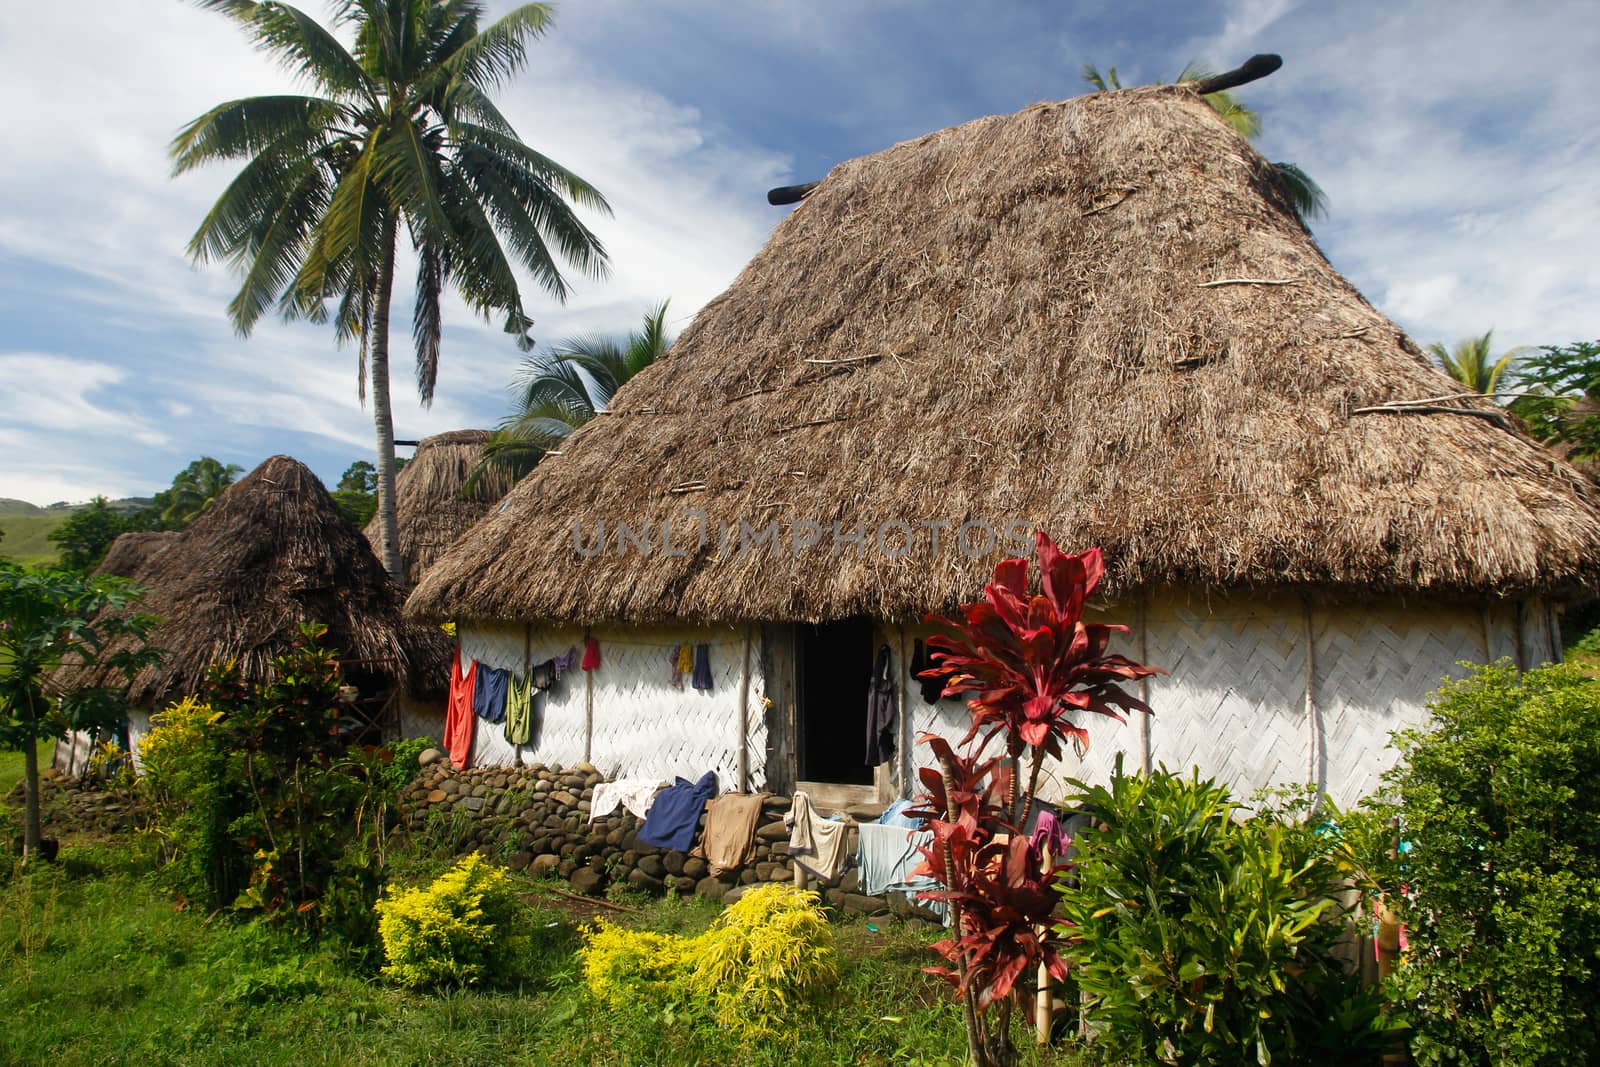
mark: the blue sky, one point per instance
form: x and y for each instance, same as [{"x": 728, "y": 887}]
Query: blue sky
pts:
[{"x": 1458, "y": 143}]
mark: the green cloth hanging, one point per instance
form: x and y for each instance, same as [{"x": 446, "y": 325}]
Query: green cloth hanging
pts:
[{"x": 519, "y": 711}]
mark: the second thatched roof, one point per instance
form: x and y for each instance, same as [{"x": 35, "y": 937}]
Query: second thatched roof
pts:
[
  {"x": 272, "y": 552},
  {"x": 432, "y": 511},
  {"x": 1099, "y": 318}
]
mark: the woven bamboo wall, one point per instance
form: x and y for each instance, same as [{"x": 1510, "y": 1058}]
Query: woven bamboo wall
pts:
[
  {"x": 642, "y": 724},
  {"x": 1235, "y": 702}
]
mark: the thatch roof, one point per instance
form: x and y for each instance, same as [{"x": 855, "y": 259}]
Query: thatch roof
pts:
[
  {"x": 272, "y": 552},
  {"x": 431, "y": 511},
  {"x": 132, "y": 555},
  {"x": 1044, "y": 317}
]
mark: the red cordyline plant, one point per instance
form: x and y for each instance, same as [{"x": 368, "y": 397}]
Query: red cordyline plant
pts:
[{"x": 1029, "y": 664}]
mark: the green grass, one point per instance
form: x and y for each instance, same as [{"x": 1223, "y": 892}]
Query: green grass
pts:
[
  {"x": 98, "y": 967},
  {"x": 11, "y": 764},
  {"x": 26, "y": 536}
]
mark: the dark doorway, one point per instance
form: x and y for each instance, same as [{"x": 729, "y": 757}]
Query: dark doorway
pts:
[{"x": 834, "y": 667}]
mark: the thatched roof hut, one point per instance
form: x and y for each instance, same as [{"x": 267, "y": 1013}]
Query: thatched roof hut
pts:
[
  {"x": 1100, "y": 318},
  {"x": 272, "y": 552},
  {"x": 432, "y": 510},
  {"x": 131, "y": 555},
  {"x": 1021, "y": 317}
]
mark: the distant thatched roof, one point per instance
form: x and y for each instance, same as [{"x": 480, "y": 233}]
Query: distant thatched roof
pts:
[
  {"x": 132, "y": 555},
  {"x": 273, "y": 551},
  {"x": 432, "y": 513},
  {"x": 1099, "y": 317}
]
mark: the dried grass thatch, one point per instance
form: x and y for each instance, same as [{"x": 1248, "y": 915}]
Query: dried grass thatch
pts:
[
  {"x": 272, "y": 552},
  {"x": 431, "y": 511},
  {"x": 1097, "y": 317},
  {"x": 133, "y": 555}
]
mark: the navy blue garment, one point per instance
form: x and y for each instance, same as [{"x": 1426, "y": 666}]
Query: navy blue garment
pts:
[
  {"x": 489, "y": 696},
  {"x": 675, "y": 815},
  {"x": 702, "y": 666}
]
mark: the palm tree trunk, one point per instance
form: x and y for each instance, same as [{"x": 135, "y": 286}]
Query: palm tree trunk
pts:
[
  {"x": 388, "y": 536},
  {"x": 30, "y": 800}
]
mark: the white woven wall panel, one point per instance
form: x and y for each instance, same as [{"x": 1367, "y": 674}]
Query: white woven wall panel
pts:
[
  {"x": 419, "y": 719},
  {"x": 643, "y": 725},
  {"x": 1537, "y": 646},
  {"x": 1376, "y": 667},
  {"x": 1233, "y": 703}
]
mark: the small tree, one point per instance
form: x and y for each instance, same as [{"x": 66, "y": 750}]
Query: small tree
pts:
[
  {"x": 50, "y": 619},
  {"x": 86, "y": 535},
  {"x": 1562, "y": 403},
  {"x": 1030, "y": 664}
]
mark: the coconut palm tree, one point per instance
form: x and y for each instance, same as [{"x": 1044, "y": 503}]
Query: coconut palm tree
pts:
[
  {"x": 1471, "y": 362},
  {"x": 195, "y": 488},
  {"x": 560, "y": 390},
  {"x": 396, "y": 136},
  {"x": 1305, "y": 196}
]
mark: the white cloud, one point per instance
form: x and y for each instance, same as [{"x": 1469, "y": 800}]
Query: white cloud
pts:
[{"x": 1457, "y": 146}]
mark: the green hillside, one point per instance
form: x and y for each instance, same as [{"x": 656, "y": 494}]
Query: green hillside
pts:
[
  {"x": 25, "y": 535},
  {"x": 10, "y": 507}
]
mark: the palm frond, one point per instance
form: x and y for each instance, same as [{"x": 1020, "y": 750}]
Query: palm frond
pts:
[
  {"x": 499, "y": 51},
  {"x": 433, "y": 269},
  {"x": 1106, "y": 82},
  {"x": 240, "y": 129},
  {"x": 272, "y": 254},
  {"x": 511, "y": 151},
  {"x": 307, "y": 49},
  {"x": 1305, "y": 196}
]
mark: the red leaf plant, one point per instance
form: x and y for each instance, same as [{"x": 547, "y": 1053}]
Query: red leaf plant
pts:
[{"x": 1029, "y": 664}]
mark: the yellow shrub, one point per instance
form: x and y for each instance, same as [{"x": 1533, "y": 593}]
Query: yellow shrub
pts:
[
  {"x": 468, "y": 928},
  {"x": 766, "y": 954},
  {"x": 770, "y": 951},
  {"x": 621, "y": 964},
  {"x": 175, "y": 736}
]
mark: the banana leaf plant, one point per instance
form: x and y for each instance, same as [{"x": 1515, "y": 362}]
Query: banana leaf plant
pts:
[{"x": 1030, "y": 668}]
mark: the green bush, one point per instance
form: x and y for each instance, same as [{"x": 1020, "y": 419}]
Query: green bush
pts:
[
  {"x": 1500, "y": 800},
  {"x": 468, "y": 928},
  {"x": 1202, "y": 938}
]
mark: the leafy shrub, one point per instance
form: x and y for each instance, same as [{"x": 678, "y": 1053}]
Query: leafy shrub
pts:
[
  {"x": 1499, "y": 802},
  {"x": 1200, "y": 938},
  {"x": 261, "y": 808},
  {"x": 468, "y": 928},
  {"x": 196, "y": 787},
  {"x": 766, "y": 955}
]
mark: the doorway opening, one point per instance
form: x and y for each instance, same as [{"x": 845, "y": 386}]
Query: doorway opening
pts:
[{"x": 833, "y": 670}]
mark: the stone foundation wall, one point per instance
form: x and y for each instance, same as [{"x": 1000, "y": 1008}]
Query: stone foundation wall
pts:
[{"x": 535, "y": 819}]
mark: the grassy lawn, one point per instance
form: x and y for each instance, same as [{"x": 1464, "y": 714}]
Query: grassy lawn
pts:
[
  {"x": 98, "y": 967},
  {"x": 11, "y": 765}
]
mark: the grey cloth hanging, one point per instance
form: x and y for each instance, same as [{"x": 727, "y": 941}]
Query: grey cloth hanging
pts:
[{"x": 880, "y": 711}]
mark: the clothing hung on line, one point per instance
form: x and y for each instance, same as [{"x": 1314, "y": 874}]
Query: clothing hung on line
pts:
[
  {"x": 591, "y": 654},
  {"x": 519, "y": 711},
  {"x": 702, "y": 667},
  {"x": 816, "y": 845},
  {"x": 635, "y": 794},
  {"x": 489, "y": 698},
  {"x": 675, "y": 815},
  {"x": 880, "y": 712},
  {"x": 681, "y": 660},
  {"x": 458, "y": 716},
  {"x": 547, "y": 674},
  {"x": 888, "y": 855},
  {"x": 729, "y": 840},
  {"x": 922, "y": 660}
]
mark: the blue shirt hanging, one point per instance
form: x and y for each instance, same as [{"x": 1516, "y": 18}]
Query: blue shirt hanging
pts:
[{"x": 489, "y": 698}]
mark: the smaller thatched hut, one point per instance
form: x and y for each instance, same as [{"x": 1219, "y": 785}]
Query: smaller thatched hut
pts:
[
  {"x": 273, "y": 552},
  {"x": 433, "y": 508}
]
